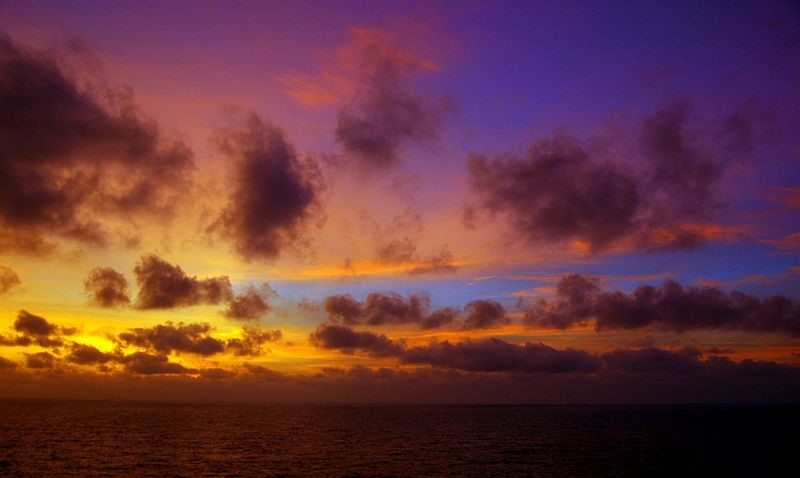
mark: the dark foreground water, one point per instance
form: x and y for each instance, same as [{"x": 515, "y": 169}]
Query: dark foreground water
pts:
[{"x": 146, "y": 439}]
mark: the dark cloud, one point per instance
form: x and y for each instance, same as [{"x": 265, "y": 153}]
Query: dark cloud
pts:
[
  {"x": 167, "y": 338},
  {"x": 36, "y": 330},
  {"x": 348, "y": 340},
  {"x": 275, "y": 192},
  {"x": 486, "y": 355},
  {"x": 403, "y": 251},
  {"x": 493, "y": 355},
  {"x": 440, "y": 318},
  {"x": 441, "y": 263},
  {"x": 654, "y": 360},
  {"x": 70, "y": 157},
  {"x": 484, "y": 314},
  {"x": 559, "y": 191},
  {"x": 165, "y": 286},
  {"x": 378, "y": 309},
  {"x": 40, "y": 360},
  {"x": 106, "y": 287},
  {"x": 148, "y": 364},
  {"x": 8, "y": 279},
  {"x": 671, "y": 306},
  {"x": 390, "y": 308},
  {"x": 252, "y": 340},
  {"x": 250, "y": 304},
  {"x": 386, "y": 113},
  {"x": 397, "y": 251},
  {"x": 88, "y": 355},
  {"x": 6, "y": 364}
]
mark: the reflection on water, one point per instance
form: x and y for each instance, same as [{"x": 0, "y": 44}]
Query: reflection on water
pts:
[{"x": 146, "y": 439}]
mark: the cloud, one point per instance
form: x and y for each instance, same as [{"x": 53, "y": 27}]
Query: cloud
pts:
[
  {"x": 36, "y": 330},
  {"x": 386, "y": 112},
  {"x": 8, "y": 279},
  {"x": 378, "y": 309},
  {"x": 251, "y": 341},
  {"x": 275, "y": 192},
  {"x": 6, "y": 364},
  {"x": 484, "y": 314},
  {"x": 71, "y": 157},
  {"x": 106, "y": 288},
  {"x": 165, "y": 286},
  {"x": 148, "y": 364},
  {"x": 561, "y": 192},
  {"x": 390, "y": 308},
  {"x": 403, "y": 251},
  {"x": 167, "y": 338},
  {"x": 671, "y": 306},
  {"x": 485, "y": 355},
  {"x": 40, "y": 360},
  {"x": 347, "y": 340},
  {"x": 88, "y": 355},
  {"x": 251, "y": 304}
]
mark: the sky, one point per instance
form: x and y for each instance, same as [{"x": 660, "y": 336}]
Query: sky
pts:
[{"x": 400, "y": 202}]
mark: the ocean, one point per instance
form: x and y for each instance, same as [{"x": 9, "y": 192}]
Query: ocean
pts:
[{"x": 75, "y": 438}]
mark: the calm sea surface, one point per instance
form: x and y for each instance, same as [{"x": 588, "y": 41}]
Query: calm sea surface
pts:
[{"x": 39, "y": 438}]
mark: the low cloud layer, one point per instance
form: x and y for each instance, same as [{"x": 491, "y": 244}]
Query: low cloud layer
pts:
[
  {"x": 559, "y": 191},
  {"x": 36, "y": 330},
  {"x": 250, "y": 304},
  {"x": 8, "y": 279},
  {"x": 579, "y": 299}
]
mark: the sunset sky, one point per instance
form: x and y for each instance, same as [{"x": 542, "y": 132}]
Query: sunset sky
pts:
[{"x": 483, "y": 201}]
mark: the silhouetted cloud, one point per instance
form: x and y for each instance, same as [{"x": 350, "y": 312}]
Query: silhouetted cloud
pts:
[
  {"x": 8, "y": 279},
  {"x": 165, "y": 286},
  {"x": 68, "y": 158},
  {"x": 40, "y": 360},
  {"x": 6, "y": 364},
  {"x": 275, "y": 192},
  {"x": 36, "y": 330},
  {"x": 106, "y": 287},
  {"x": 250, "y": 304},
  {"x": 673, "y": 307},
  {"x": 166, "y": 338},
  {"x": 386, "y": 113},
  {"x": 440, "y": 318},
  {"x": 348, "y": 340},
  {"x": 148, "y": 364},
  {"x": 558, "y": 191},
  {"x": 485, "y": 355},
  {"x": 251, "y": 341},
  {"x": 82, "y": 354},
  {"x": 403, "y": 251},
  {"x": 483, "y": 314},
  {"x": 378, "y": 309}
]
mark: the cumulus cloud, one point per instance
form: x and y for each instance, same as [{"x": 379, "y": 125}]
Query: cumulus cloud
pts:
[
  {"x": 36, "y": 330},
  {"x": 82, "y": 354},
  {"x": 386, "y": 112},
  {"x": 559, "y": 191},
  {"x": 164, "y": 286},
  {"x": 106, "y": 287},
  {"x": 71, "y": 157},
  {"x": 484, "y": 314},
  {"x": 252, "y": 340},
  {"x": 348, "y": 340},
  {"x": 391, "y": 308},
  {"x": 6, "y": 364},
  {"x": 40, "y": 360},
  {"x": 143, "y": 363},
  {"x": 250, "y": 304},
  {"x": 8, "y": 279},
  {"x": 579, "y": 299},
  {"x": 167, "y": 338},
  {"x": 275, "y": 192}
]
